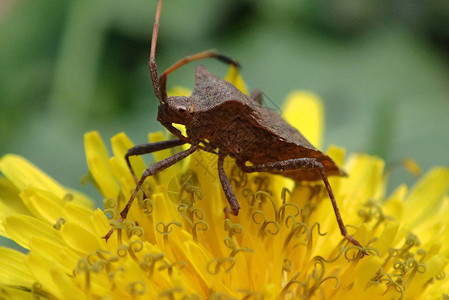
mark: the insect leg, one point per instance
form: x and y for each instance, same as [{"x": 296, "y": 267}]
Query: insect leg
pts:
[
  {"x": 150, "y": 171},
  {"x": 187, "y": 59},
  {"x": 303, "y": 163},
  {"x": 173, "y": 130},
  {"x": 226, "y": 184},
  {"x": 149, "y": 148}
]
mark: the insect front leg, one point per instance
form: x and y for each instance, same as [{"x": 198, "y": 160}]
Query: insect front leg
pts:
[
  {"x": 303, "y": 163},
  {"x": 152, "y": 170},
  {"x": 149, "y": 148},
  {"x": 226, "y": 184},
  {"x": 173, "y": 130}
]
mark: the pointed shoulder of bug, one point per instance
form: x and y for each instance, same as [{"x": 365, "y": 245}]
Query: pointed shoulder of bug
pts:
[
  {"x": 212, "y": 91},
  {"x": 216, "y": 96}
]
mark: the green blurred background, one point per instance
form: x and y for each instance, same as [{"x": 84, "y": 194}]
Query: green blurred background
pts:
[{"x": 68, "y": 67}]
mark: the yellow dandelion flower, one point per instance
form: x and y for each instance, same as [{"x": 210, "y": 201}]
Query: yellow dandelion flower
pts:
[{"x": 176, "y": 242}]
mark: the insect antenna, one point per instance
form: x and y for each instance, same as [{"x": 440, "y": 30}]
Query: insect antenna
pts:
[
  {"x": 273, "y": 105},
  {"x": 160, "y": 82},
  {"x": 152, "y": 63}
]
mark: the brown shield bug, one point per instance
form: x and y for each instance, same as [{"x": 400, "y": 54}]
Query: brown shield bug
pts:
[{"x": 233, "y": 124}]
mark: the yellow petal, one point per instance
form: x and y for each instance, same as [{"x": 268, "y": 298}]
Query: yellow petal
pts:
[
  {"x": 22, "y": 229},
  {"x": 385, "y": 241},
  {"x": 67, "y": 288},
  {"x": 15, "y": 292},
  {"x": 394, "y": 204},
  {"x": 43, "y": 205},
  {"x": 164, "y": 213},
  {"x": 201, "y": 262},
  {"x": 78, "y": 214},
  {"x": 97, "y": 160},
  {"x": 10, "y": 199},
  {"x": 120, "y": 145},
  {"x": 365, "y": 273},
  {"x": 13, "y": 270},
  {"x": 426, "y": 195},
  {"x": 434, "y": 266},
  {"x": 337, "y": 154},
  {"x": 80, "y": 199},
  {"x": 79, "y": 239},
  {"x": 61, "y": 255},
  {"x": 40, "y": 266},
  {"x": 100, "y": 224},
  {"x": 366, "y": 180},
  {"x": 304, "y": 111},
  {"x": 178, "y": 91},
  {"x": 166, "y": 175},
  {"x": 159, "y": 137},
  {"x": 24, "y": 174},
  {"x": 10, "y": 202},
  {"x": 234, "y": 77}
]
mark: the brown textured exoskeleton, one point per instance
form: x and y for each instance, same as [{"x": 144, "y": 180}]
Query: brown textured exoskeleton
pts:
[{"x": 234, "y": 124}]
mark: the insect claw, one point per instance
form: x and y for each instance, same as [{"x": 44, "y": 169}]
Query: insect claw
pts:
[
  {"x": 356, "y": 243},
  {"x": 228, "y": 60},
  {"x": 343, "y": 173},
  {"x": 110, "y": 232},
  {"x": 353, "y": 241},
  {"x": 108, "y": 235},
  {"x": 228, "y": 212}
]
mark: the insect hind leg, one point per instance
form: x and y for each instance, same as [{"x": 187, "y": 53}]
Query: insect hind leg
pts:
[{"x": 303, "y": 163}]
